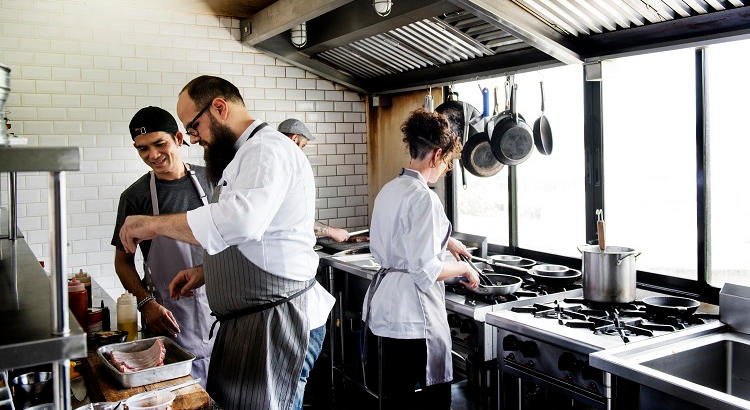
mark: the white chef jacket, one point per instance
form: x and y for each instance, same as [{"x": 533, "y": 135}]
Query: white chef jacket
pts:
[
  {"x": 267, "y": 208},
  {"x": 406, "y": 233}
]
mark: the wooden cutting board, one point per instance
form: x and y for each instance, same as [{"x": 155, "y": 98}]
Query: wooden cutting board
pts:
[{"x": 101, "y": 386}]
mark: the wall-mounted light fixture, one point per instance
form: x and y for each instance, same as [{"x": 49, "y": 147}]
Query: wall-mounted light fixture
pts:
[
  {"x": 299, "y": 35},
  {"x": 382, "y": 7}
]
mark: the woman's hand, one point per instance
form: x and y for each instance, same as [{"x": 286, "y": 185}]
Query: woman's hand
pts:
[
  {"x": 472, "y": 277},
  {"x": 457, "y": 248}
]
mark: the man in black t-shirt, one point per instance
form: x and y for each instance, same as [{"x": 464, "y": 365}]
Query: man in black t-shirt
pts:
[{"x": 171, "y": 186}]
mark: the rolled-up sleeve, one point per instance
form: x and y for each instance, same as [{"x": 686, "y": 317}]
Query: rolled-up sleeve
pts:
[
  {"x": 245, "y": 208},
  {"x": 422, "y": 242}
]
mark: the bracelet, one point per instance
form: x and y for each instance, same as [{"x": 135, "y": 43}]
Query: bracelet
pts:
[{"x": 143, "y": 302}]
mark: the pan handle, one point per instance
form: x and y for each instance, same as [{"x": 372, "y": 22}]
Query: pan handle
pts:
[
  {"x": 541, "y": 89},
  {"x": 494, "y": 263},
  {"x": 622, "y": 257},
  {"x": 463, "y": 172}
]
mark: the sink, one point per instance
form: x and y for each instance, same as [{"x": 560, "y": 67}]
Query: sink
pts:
[
  {"x": 708, "y": 365},
  {"x": 723, "y": 366}
]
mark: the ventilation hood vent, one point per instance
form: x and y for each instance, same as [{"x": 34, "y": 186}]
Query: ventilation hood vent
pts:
[{"x": 428, "y": 42}]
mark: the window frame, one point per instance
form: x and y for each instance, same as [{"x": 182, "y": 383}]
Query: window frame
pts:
[{"x": 594, "y": 189}]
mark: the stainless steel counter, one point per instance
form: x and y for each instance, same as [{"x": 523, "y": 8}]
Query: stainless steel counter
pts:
[
  {"x": 25, "y": 318},
  {"x": 706, "y": 365},
  {"x": 349, "y": 267}
]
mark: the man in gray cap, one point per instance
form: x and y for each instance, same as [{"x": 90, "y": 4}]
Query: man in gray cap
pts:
[
  {"x": 300, "y": 135},
  {"x": 172, "y": 186}
]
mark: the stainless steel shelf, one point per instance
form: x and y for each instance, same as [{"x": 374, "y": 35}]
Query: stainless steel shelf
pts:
[
  {"x": 32, "y": 159},
  {"x": 25, "y": 318}
]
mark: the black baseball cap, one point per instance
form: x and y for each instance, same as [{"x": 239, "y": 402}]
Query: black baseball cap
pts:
[{"x": 153, "y": 119}]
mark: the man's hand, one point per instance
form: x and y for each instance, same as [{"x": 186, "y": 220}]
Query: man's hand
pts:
[
  {"x": 338, "y": 234},
  {"x": 160, "y": 320},
  {"x": 457, "y": 248},
  {"x": 135, "y": 229},
  {"x": 185, "y": 281}
]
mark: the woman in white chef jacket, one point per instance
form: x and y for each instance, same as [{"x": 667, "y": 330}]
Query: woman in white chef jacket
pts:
[{"x": 405, "y": 303}]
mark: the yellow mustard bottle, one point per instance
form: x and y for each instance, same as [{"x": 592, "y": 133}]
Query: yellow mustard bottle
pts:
[{"x": 127, "y": 315}]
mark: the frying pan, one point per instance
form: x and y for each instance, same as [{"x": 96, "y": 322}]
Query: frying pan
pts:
[
  {"x": 499, "y": 266},
  {"x": 555, "y": 278},
  {"x": 542, "y": 130},
  {"x": 500, "y": 284},
  {"x": 671, "y": 305},
  {"x": 511, "y": 138},
  {"x": 477, "y": 156}
]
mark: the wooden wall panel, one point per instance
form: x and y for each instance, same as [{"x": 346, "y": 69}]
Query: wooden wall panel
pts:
[{"x": 386, "y": 152}]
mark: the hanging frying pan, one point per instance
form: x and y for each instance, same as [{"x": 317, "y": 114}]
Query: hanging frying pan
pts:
[
  {"x": 511, "y": 139},
  {"x": 465, "y": 120},
  {"x": 542, "y": 130},
  {"x": 477, "y": 156}
]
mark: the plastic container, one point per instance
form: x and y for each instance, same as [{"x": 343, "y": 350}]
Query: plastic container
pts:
[
  {"x": 156, "y": 400},
  {"x": 102, "y": 405},
  {"x": 127, "y": 315},
  {"x": 77, "y": 303},
  {"x": 95, "y": 317},
  {"x": 84, "y": 278}
]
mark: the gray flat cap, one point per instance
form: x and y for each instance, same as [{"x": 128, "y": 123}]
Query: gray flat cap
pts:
[{"x": 295, "y": 126}]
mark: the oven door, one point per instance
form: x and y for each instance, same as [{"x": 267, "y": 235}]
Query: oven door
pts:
[{"x": 525, "y": 388}]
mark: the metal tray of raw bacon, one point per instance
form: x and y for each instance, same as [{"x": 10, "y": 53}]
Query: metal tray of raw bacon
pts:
[{"x": 177, "y": 362}]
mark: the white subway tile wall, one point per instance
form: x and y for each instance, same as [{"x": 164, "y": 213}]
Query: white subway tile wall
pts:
[{"x": 82, "y": 68}]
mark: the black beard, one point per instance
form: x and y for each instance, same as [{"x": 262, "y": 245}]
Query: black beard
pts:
[{"x": 220, "y": 152}]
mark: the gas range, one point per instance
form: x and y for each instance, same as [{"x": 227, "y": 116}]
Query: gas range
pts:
[
  {"x": 474, "y": 342},
  {"x": 460, "y": 300},
  {"x": 548, "y": 343}
]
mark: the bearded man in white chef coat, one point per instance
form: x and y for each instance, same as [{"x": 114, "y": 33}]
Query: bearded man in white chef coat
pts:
[
  {"x": 259, "y": 264},
  {"x": 298, "y": 132}
]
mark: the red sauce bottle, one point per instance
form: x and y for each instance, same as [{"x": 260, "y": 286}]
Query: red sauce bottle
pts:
[{"x": 78, "y": 301}]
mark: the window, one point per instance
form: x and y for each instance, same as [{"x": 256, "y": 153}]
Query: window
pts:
[
  {"x": 483, "y": 206},
  {"x": 551, "y": 193},
  {"x": 550, "y": 188},
  {"x": 649, "y": 159},
  {"x": 728, "y": 89}
]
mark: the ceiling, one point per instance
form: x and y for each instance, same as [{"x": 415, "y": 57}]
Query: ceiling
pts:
[
  {"x": 431, "y": 42},
  {"x": 228, "y": 8}
]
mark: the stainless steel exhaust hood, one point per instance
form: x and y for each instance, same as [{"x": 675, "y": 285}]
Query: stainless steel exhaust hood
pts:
[{"x": 432, "y": 42}]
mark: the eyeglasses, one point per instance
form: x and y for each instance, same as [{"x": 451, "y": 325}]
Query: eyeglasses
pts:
[{"x": 190, "y": 128}]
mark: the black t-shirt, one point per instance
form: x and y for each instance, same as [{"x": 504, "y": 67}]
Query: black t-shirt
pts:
[{"x": 174, "y": 196}]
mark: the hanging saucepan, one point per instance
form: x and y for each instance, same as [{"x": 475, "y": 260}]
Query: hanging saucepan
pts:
[
  {"x": 670, "y": 305},
  {"x": 511, "y": 139},
  {"x": 477, "y": 156},
  {"x": 542, "y": 130}
]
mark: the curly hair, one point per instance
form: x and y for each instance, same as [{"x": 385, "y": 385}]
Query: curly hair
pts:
[{"x": 427, "y": 131}]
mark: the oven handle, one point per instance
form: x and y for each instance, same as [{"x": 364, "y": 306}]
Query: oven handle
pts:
[
  {"x": 577, "y": 393},
  {"x": 459, "y": 356}
]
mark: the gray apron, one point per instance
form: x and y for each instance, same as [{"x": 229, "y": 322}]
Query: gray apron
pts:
[
  {"x": 437, "y": 331},
  {"x": 261, "y": 344},
  {"x": 167, "y": 257}
]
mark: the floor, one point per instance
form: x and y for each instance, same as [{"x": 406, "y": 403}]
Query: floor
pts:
[{"x": 319, "y": 396}]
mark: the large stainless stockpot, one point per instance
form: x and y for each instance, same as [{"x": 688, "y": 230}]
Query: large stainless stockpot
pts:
[{"x": 609, "y": 274}]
